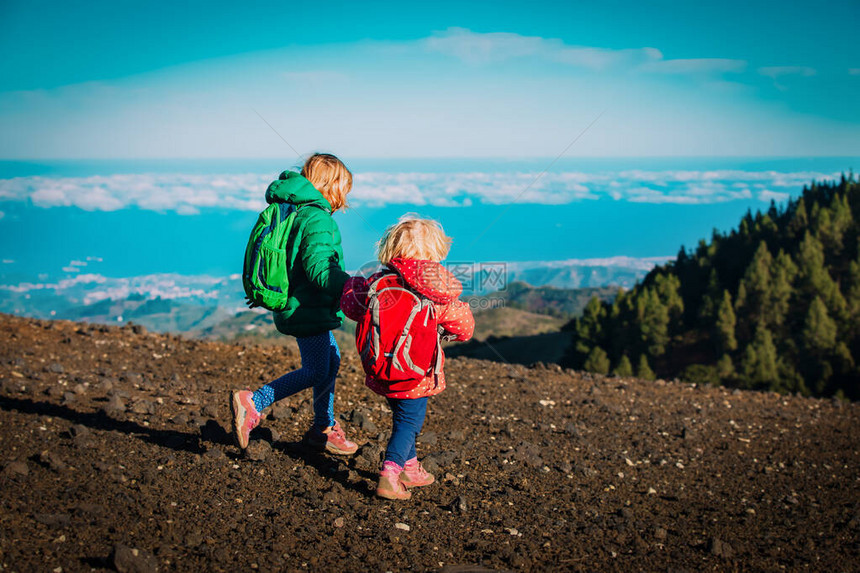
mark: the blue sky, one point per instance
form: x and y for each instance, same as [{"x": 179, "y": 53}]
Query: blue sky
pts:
[
  {"x": 393, "y": 80},
  {"x": 143, "y": 134}
]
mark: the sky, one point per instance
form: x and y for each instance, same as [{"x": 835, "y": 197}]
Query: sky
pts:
[
  {"x": 452, "y": 79},
  {"x": 137, "y": 138}
]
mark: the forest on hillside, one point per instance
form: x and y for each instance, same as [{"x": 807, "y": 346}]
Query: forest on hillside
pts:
[{"x": 773, "y": 304}]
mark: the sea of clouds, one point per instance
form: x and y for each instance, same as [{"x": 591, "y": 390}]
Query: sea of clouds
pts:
[{"x": 191, "y": 193}]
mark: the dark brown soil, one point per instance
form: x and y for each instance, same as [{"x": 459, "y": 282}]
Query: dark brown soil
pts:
[{"x": 115, "y": 440}]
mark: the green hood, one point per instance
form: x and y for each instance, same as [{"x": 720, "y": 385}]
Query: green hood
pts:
[{"x": 292, "y": 187}]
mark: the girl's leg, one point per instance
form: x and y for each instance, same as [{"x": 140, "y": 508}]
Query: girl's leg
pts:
[
  {"x": 315, "y": 366},
  {"x": 407, "y": 421},
  {"x": 324, "y": 387}
]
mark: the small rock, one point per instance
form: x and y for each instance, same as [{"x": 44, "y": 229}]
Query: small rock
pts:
[
  {"x": 115, "y": 406},
  {"x": 528, "y": 454},
  {"x": 128, "y": 560},
  {"x": 428, "y": 438},
  {"x": 660, "y": 533},
  {"x": 459, "y": 504},
  {"x": 79, "y": 431},
  {"x": 68, "y": 397},
  {"x": 457, "y": 435},
  {"x": 402, "y": 526},
  {"x": 719, "y": 548},
  {"x": 53, "y": 461},
  {"x": 143, "y": 407},
  {"x": 17, "y": 469},
  {"x": 338, "y": 522},
  {"x": 214, "y": 453},
  {"x": 180, "y": 419},
  {"x": 56, "y": 368},
  {"x": 211, "y": 411},
  {"x": 361, "y": 418},
  {"x": 368, "y": 457},
  {"x": 279, "y": 411},
  {"x": 258, "y": 450}
]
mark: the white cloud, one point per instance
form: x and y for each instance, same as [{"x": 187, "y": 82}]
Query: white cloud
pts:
[
  {"x": 191, "y": 194},
  {"x": 482, "y": 48},
  {"x": 768, "y": 195},
  {"x": 638, "y": 186},
  {"x": 854, "y": 71},
  {"x": 8, "y": 261},
  {"x": 2, "y": 214},
  {"x": 183, "y": 193},
  {"x": 696, "y": 66},
  {"x": 90, "y": 288}
]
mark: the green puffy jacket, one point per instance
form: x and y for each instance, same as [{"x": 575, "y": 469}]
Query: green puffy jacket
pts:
[{"x": 315, "y": 259}]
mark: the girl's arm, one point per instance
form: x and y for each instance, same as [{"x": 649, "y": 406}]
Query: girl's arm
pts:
[
  {"x": 456, "y": 318},
  {"x": 353, "y": 303},
  {"x": 319, "y": 258}
]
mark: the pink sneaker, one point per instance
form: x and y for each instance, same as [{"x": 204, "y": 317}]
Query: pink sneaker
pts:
[
  {"x": 331, "y": 439},
  {"x": 245, "y": 415},
  {"x": 390, "y": 485},
  {"x": 414, "y": 474}
]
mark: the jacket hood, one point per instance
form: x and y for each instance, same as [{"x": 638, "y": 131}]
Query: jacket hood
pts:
[
  {"x": 429, "y": 278},
  {"x": 292, "y": 187}
]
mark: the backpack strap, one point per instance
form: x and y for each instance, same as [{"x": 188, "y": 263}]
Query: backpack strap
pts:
[{"x": 373, "y": 307}]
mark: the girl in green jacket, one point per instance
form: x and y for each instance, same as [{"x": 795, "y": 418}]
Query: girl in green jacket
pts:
[{"x": 317, "y": 278}]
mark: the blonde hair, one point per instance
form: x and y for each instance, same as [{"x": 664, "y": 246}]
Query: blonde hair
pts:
[
  {"x": 330, "y": 177},
  {"x": 413, "y": 238}
]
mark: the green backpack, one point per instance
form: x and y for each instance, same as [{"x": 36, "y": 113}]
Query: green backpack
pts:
[{"x": 265, "y": 275}]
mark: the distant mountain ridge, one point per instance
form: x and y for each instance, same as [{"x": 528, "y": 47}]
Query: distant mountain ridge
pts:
[{"x": 584, "y": 273}]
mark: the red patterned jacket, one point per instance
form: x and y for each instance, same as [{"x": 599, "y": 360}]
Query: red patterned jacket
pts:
[{"x": 433, "y": 281}]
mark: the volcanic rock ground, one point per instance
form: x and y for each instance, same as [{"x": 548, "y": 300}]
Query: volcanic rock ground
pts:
[{"x": 116, "y": 454}]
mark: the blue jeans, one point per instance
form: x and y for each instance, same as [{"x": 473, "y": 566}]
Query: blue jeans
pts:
[
  {"x": 407, "y": 420},
  {"x": 320, "y": 363}
]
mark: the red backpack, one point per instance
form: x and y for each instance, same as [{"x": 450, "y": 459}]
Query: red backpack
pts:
[{"x": 397, "y": 338}]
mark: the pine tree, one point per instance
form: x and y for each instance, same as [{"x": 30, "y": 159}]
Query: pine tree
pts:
[
  {"x": 597, "y": 361},
  {"x": 725, "y": 327},
  {"x": 759, "y": 364},
  {"x": 756, "y": 283},
  {"x": 814, "y": 280},
  {"x": 725, "y": 367},
  {"x": 819, "y": 330},
  {"x": 800, "y": 220},
  {"x": 781, "y": 289},
  {"x": 653, "y": 322},
  {"x": 643, "y": 370},
  {"x": 624, "y": 368},
  {"x": 667, "y": 287},
  {"x": 853, "y": 299}
]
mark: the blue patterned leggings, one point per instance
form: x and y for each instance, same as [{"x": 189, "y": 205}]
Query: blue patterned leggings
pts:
[{"x": 320, "y": 363}]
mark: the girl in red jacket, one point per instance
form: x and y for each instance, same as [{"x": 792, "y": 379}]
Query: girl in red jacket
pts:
[{"x": 413, "y": 249}]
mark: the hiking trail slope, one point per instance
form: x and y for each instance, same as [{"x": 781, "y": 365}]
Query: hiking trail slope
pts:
[{"x": 118, "y": 438}]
